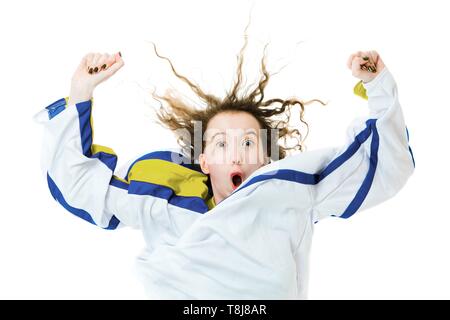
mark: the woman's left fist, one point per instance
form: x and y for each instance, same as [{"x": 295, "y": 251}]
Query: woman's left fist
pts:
[{"x": 365, "y": 65}]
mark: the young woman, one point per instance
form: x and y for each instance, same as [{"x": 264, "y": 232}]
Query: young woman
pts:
[{"x": 234, "y": 218}]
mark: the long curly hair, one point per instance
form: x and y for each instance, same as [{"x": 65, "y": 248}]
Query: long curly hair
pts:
[{"x": 179, "y": 116}]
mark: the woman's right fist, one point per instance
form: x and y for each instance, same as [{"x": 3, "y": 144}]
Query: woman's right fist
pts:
[{"x": 93, "y": 69}]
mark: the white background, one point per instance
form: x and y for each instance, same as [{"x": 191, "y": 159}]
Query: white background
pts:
[{"x": 397, "y": 250}]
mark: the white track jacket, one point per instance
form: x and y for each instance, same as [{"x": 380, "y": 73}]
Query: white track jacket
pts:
[{"x": 255, "y": 243}]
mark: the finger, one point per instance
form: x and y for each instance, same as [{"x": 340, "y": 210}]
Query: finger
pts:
[
  {"x": 102, "y": 62},
  {"x": 376, "y": 59},
  {"x": 359, "y": 64},
  {"x": 119, "y": 63},
  {"x": 110, "y": 61},
  {"x": 89, "y": 58},
  {"x": 372, "y": 61},
  {"x": 94, "y": 62},
  {"x": 113, "y": 69},
  {"x": 90, "y": 62},
  {"x": 366, "y": 57},
  {"x": 118, "y": 56},
  {"x": 361, "y": 58},
  {"x": 369, "y": 62},
  {"x": 374, "y": 56}
]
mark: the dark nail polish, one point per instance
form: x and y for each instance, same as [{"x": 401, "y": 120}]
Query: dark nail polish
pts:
[
  {"x": 365, "y": 58},
  {"x": 120, "y": 54},
  {"x": 90, "y": 70},
  {"x": 104, "y": 66},
  {"x": 95, "y": 69}
]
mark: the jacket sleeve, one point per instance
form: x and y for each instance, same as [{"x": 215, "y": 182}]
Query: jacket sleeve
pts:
[
  {"x": 371, "y": 166},
  {"x": 80, "y": 174},
  {"x": 376, "y": 161}
]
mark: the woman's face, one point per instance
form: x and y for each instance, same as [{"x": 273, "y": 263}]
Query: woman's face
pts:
[{"x": 233, "y": 151}]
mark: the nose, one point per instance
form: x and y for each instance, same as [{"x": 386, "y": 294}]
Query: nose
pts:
[
  {"x": 236, "y": 156},
  {"x": 236, "y": 161}
]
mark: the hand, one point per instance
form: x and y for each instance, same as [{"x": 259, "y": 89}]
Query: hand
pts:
[
  {"x": 93, "y": 69},
  {"x": 365, "y": 65}
]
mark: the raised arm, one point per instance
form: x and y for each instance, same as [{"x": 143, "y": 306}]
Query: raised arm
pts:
[
  {"x": 376, "y": 162},
  {"x": 159, "y": 193},
  {"x": 80, "y": 174},
  {"x": 371, "y": 166}
]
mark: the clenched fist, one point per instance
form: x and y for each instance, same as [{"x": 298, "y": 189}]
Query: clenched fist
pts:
[
  {"x": 93, "y": 69},
  {"x": 365, "y": 65}
]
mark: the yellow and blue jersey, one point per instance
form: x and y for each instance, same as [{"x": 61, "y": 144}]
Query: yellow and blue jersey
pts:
[{"x": 255, "y": 243}]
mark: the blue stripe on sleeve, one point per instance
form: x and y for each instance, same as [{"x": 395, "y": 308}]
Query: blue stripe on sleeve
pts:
[
  {"x": 351, "y": 150},
  {"x": 367, "y": 183},
  {"x": 56, "y": 193},
  {"x": 56, "y": 107},
  {"x": 84, "y": 113},
  {"x": 110, "y": 160}
]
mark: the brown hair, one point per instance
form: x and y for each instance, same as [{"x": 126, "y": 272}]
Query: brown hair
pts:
[{"x": 178, "y": 115}]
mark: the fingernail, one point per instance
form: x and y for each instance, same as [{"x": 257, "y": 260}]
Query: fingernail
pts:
[
  {"x": 90, "y": 70},
  {"x": 370, "y": 69},
  {"x": 365, "y": 58},
  {"x": 95, "y": 69},
  {"x": 120, "y": 54},
  {"x": 104, "y": 66}
]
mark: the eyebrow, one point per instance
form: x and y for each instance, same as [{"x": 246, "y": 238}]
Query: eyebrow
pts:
[
  {"x": 248, "y": 131},
  {"x": 215, "y": 134}
]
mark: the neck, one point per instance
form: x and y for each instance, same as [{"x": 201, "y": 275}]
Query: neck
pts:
[{"x": 217, "y": 199}]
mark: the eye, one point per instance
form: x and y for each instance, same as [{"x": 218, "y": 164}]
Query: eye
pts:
[
  {"x": 248, "y": 142},
  {"x": 220, "y": 144}
]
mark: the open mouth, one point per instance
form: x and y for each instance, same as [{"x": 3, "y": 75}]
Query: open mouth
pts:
[{"x": 236, "y": 179}]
